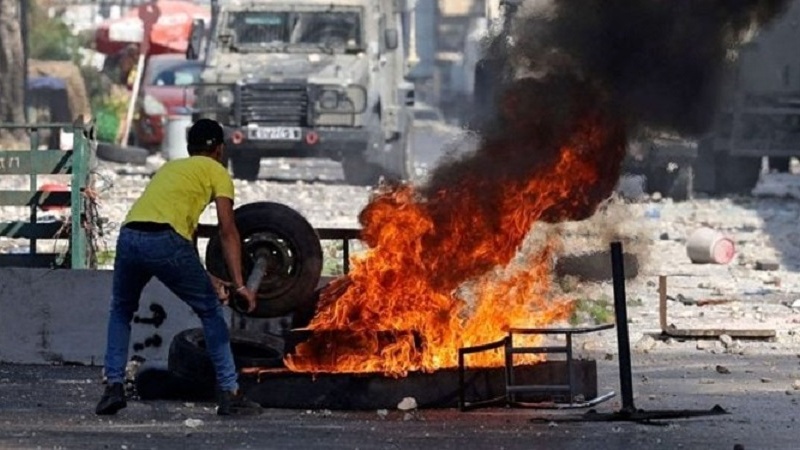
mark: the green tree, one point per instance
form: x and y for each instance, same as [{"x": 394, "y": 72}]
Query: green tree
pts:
[{"x": 49, "y": 37}]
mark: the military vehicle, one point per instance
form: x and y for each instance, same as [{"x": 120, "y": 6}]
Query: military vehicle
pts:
[{"x": 308, "y": 78}]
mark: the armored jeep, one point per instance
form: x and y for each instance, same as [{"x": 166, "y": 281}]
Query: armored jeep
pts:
[{"x": 308, "y": 78}]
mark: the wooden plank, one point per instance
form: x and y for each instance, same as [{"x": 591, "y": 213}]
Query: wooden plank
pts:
[
  {"x": 28, "y": 260},
  {"x": 40, "y": 162},
  {"x": 662, "y": 302},
  {"x": 711, "y": 332},
  {"x": 40, "y": 198},
  {"x": 28, "y": 230}
]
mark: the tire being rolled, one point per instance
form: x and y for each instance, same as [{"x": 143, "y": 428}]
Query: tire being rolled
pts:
[{"x": 288, "y": 286}]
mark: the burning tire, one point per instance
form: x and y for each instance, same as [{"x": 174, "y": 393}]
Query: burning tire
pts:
[
  {"x": 295, "y": 263},
  {"x": 188, "y": 358}
]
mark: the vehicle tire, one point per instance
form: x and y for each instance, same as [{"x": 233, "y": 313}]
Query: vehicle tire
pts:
[
  {"x": 681, "y": 186},
  {"x": 358, "y": 172},
  {"x": 737, "y": 174},
  {"x": 406, "y": 165},
  {"x": 122, "y": 154},
  {"x": 188, "y": 357},
  {"x": 245, "y": 168},
  {"x": 704, "y": 169},
  {"x": 781, "y": 165},
  {"x": 295, "y": 266}
]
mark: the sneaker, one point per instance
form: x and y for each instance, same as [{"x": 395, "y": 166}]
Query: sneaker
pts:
[
  {"x": 231, "y": 403},
  {"x": 113, "y": 400}
]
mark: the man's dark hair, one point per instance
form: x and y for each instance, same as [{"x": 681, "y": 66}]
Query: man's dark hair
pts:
[{"x": 204, "y": 136}]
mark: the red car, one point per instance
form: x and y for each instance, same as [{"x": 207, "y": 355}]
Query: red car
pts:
[{"x": 166, "y": 90}]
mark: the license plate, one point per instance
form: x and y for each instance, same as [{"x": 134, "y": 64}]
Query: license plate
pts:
[{"x": 275, "y": 133}]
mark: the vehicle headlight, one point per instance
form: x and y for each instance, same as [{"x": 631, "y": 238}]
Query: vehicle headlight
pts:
[
  {"x": 357, "y": 96},
  {"x": 329, "y": 100},
  {"x": 152, "y": 107},
  {"x": 225, "y": 98}
]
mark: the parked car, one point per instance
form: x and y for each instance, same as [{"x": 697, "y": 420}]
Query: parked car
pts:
[{"x": 166, "y": 89}]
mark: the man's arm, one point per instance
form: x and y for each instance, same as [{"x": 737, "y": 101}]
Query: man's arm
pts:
[{"x": 231, "y": 243}]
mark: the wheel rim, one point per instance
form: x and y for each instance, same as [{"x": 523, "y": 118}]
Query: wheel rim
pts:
[{"x": 282, "y": 263}]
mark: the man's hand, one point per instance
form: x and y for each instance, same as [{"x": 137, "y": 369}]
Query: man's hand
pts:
[
  {"x": 223, "y": 288},
  {"x": 248, "y": 295}
]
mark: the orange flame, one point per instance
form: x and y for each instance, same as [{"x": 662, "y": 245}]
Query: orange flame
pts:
[{"x": 429, "y": 283}]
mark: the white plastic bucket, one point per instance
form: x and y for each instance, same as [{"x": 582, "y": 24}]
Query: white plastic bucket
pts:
[
  {"x": 707, "y": 246},
  {"x": 174, "y": 144}
]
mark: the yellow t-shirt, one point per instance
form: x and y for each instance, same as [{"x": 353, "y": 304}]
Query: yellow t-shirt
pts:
[{"x": 180, "y": 191}]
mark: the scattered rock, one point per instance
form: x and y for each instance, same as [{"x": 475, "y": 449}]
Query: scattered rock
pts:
[
  {"x": 726, "y": 340},
  {"x": 767, "y": 265},
  {"x": 407, "y": 404},
  {"x": 382, "y": 413},
  {"x": 645, "y": 344},
  {"x": 192, "y": 423},
  {"x": 723, "y": 369},
  {"x": 705, "y": 345}
]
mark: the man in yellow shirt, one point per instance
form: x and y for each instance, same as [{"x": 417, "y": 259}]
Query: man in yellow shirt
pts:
[{"x": 156, "y": 241}]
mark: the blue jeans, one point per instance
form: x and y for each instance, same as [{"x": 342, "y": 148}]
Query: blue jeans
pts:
[{"x": 174, "y": 261}]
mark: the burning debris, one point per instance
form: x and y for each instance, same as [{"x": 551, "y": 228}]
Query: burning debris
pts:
[{"x": 444, "y": 270}]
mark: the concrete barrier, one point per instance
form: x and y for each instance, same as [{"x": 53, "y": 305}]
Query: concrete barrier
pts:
[{"x": 60, "y": 316}]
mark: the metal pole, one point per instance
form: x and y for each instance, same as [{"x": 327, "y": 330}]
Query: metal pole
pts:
[
  {"x": 621, "y": 316},
  {"x": 253, "y": 280},
  {"x": 23, "y": 23}
]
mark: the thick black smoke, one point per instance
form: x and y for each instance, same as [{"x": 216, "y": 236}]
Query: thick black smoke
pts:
[
  {"x": 661, "y": 61},
  {"x": 642, "y": 65}
]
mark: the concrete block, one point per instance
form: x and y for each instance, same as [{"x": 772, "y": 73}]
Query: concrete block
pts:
[{"x": 60, "y": 316}]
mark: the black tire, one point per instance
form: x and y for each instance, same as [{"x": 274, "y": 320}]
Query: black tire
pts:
[
  {"x": 296, "y": 267},
  {"x": 781, "y": 165},
  {"x": 188, "y": 358},
  {"x": 737, "y": 174},
  {"x": 358, "y": 172},
  {"x": 704, "y": 169},
  {"x": 245, "y": 168},
  {"x": 681, "y": 187},
  {"x": 122, "y": 154}
]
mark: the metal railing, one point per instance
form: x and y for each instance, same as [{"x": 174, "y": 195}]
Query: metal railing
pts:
[
  {"x": 33, "y": 162},
  {"x": 566, "y": 388}
]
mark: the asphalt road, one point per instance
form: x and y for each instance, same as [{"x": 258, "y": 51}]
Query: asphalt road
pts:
[{"x": 52, "y": 407}]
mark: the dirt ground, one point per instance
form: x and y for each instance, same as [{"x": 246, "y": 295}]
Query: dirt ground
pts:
[{"x": 52, "y": 407}]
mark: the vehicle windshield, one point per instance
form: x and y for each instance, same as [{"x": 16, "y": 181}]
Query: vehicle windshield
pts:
[
  {"x": 174, "y": 73},
  {"x": 252, "y": 30}
]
